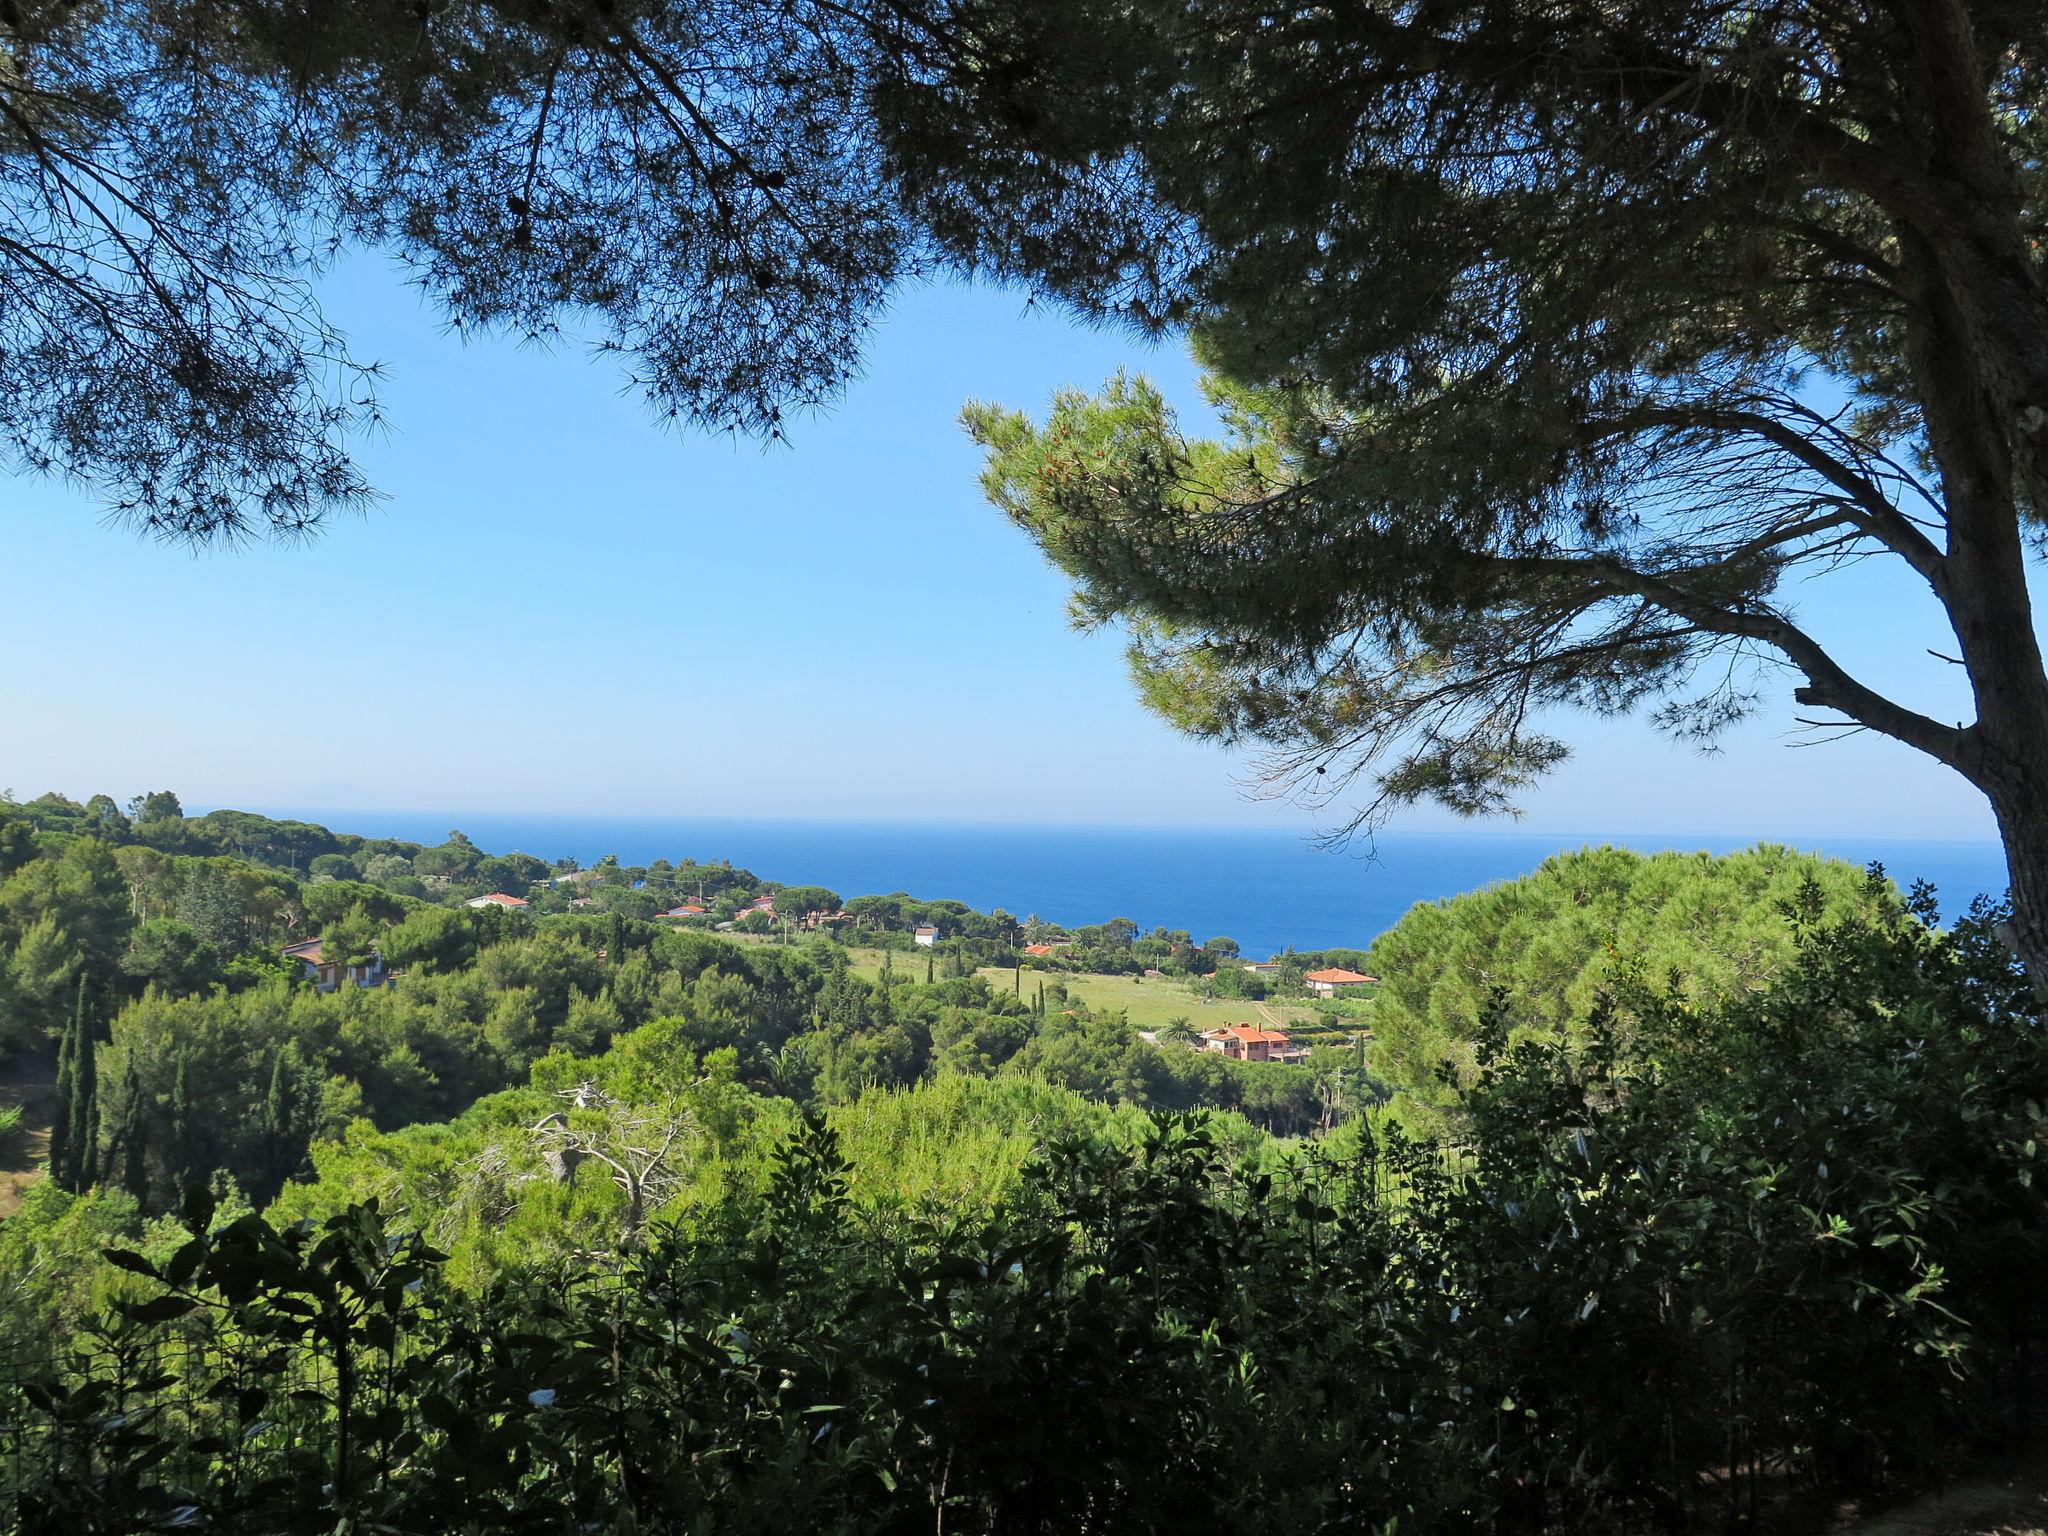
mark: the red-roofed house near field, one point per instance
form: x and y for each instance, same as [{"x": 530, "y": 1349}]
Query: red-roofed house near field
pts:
[
  {"x": 1337, "y": 981},
  {"x": 1247, "y": 1042}
]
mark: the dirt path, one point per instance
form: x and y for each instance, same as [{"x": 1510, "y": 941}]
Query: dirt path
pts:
[
  {"x": 32, "y": 1084},
  {"x": 2011, "y": 1503}
]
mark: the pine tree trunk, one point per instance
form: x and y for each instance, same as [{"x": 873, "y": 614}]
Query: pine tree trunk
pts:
[{"x": 2022, "y": 810}]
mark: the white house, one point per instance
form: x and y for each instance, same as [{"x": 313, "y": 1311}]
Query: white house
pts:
[
  {"x": 1337, "y": 982},
  {"x": 497, "y": 899},
  {"x": 925, "y": 934}
]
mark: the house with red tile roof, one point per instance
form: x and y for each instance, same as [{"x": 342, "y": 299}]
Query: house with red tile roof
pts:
[
  {"x": 1247, "y": 1042},
  {"x": 328, "y": 976},
  {"x": 1336, "y": 981},
  {"x": 497, "y": 899},
  {"x": 925, "y": 934},
  {"x": 1040, "y": 949}
]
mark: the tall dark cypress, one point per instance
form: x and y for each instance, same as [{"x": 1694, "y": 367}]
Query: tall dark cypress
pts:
[
  {"x": 277, "y": 1122},
  {"x": 931, "y": 958},
  {"x": 178, "y": 1156},
  {"x": 60, "y": 1126},
  {"x": 82, "y": 1131},
  {"x": 133, "y": 1138},
  {"x": 615, "y": 939}
]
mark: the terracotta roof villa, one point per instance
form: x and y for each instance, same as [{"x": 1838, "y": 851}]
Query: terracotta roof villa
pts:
[
  {"x": 496, "y": 899},
  {"x": 1247, "y": 1042}
]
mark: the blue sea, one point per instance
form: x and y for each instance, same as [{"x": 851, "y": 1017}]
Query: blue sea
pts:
[{"x": 1269, "y": 890}]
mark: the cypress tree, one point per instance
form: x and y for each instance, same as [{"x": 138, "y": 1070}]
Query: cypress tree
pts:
[
  {"x": 82, "y": 1130},
  {"x": 277, "y": 1121},
  {"x": 133, "y": 1139},
  {"x": 615, "y": 939},
  {"x": 60, "y": 1126},
  {"x": 89, "y": 1160},
  {"x": 276, "y": 1103},
  {"x": 931, "y": 958},
  {"x": 178, "y": 1156},
  {"x": 1017, "y": 982}
]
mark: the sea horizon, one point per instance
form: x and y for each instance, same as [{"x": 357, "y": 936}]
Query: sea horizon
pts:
[{"x": 1271, "y": 889}]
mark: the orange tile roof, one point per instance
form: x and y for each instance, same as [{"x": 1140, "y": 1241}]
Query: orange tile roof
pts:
[
  {"x": 501, "y": 899},
  {"x": 1251, "y": 1034},
  {"x": 1339, "y": 976},
  {"x": 1039, "y": 949}
]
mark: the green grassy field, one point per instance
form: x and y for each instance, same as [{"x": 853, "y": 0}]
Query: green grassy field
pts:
[
  {"x": 1150, "y": 1002},
  {"x": 1146, "y": 1002}
]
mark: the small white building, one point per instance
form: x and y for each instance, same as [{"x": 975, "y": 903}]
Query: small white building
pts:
[{"x": 925, "y": 934}]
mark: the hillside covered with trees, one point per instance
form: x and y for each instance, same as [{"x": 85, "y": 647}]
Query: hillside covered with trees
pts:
[
  {"x": 538, "y": 1121},
  {"x": 640, "y": 1292}
]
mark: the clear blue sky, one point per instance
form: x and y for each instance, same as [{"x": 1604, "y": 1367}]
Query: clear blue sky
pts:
[{"x": 561, "y": 608}]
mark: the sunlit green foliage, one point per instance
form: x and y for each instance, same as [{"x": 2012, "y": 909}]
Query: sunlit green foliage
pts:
[{"x": 1549, "y": 944}]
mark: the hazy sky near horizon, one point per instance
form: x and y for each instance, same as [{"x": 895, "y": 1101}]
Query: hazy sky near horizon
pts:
[{"x": 561, "y": 608}]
